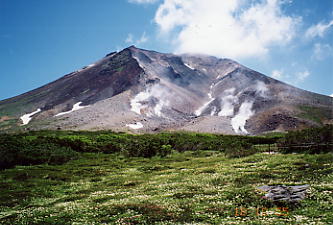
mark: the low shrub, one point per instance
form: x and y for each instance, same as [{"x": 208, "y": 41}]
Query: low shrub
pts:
[
  {"x": 312, "y": 140},
  {"x": 234, "y": 148},
  {"x": 55, "y": 147},
  {"x": 146, "y": 146},
  {"x": 15, "y": 150}
]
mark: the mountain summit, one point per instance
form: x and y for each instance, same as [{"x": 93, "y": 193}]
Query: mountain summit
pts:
[{"x": 147, "y": 91}]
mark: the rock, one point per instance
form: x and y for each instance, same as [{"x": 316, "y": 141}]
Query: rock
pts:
[{"x": 285, "y": 193}]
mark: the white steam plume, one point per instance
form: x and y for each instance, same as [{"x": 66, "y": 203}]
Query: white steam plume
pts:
[
  {"x": 244, "y": 113},
  {"x": 228, "y": 101},
  {"x": 261, "y": 88},
  {"x": 140, "y": 104},
  {"x": 136, "y": 102}
]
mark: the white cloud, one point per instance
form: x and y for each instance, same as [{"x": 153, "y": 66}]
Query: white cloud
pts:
[
  {"x": 295, "y": 79},
  {"x": 142, "y": 1},
  {"x": 277, "y": 74},
  {"x": 225, "y": 28},
  {"x": 321, "y": 51},
  {"x": 331, "y": 95},
  {"x": 318, "y": 30},
  {"x": 301, "y": 76},
  {"x": 130, "y": 39},
  {"x": 142, "y": 39}
]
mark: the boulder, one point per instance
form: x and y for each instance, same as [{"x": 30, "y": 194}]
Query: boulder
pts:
[{"x": 285, "y": 193}]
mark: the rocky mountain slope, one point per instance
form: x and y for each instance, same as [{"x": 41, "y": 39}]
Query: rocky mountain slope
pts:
[{"x": 146, "y": 91}]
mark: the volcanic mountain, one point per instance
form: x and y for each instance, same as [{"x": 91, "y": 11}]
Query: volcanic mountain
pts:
[{"x": 146, "y": 91}]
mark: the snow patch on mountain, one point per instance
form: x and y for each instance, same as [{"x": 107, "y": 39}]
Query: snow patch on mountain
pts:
[
  {"x": 27, "y": 117},
  {"x": 75, "y": 108},
  {"x": 85, "y": 67},
  {"x": 135, "y": 126},
  {"x": 189, "y": 66}
]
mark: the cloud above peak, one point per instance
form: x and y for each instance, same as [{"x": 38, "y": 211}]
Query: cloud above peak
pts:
[
  {"x": 130, "y": 39},
  {"x": 234, "y": 28}
]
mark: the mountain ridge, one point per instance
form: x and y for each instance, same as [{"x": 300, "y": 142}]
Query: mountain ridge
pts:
[{"x": 166, "y": 92}]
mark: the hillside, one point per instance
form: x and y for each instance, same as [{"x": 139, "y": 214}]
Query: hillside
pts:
[{"x": 143, "y": 91}]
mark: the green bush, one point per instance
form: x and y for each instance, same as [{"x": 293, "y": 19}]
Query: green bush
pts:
[
  {"x": 59, "y": 146},
  {"x": 79, "y": 143},
  {"x": 16, "y": 150},
  {"x": 192, "y": 141},
  {"x": 238, "y": 148},
  {"x": 145, "y": 146},
  {"x": 312, "y": 140},
  {"x": 165, "y": 150},
  {"x": 111, "y": 143}
]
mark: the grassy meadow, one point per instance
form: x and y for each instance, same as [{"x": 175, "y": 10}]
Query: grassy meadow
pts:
[{"x": 181, "y": 187}]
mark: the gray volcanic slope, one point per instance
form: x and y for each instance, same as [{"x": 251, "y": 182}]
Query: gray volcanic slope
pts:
[{"x": 146, "y": 91}]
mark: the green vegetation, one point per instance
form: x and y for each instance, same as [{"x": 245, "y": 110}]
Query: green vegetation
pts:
[
  {"x": 312, "y": 140},
  {"x": 8, "y": 123},
  {"x": 67, "y": 177},
  {"x": 201, "y": 187},
  {"x": 48, "y": 146},
  {"x": 316, "y": 114},
  {"x": 120, "y": 69},
  {"x": 31, "y": 150}
]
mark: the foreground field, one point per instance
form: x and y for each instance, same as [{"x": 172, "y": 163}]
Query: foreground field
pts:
[{"x": 201, "y": 187}]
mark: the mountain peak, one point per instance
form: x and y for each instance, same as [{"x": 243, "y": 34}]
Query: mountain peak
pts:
[
  {"x": 132, "y": 47},
  {"x": 165, "y": 92}
]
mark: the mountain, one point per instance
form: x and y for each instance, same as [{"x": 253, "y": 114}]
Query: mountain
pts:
[{"x": 146, "y": 91}]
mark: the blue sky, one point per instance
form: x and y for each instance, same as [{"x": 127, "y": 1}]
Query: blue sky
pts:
[{"x": 42, "y": 40}]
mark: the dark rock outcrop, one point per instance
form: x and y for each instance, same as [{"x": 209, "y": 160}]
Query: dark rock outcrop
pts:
[{"x": 283, "y": 193}]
